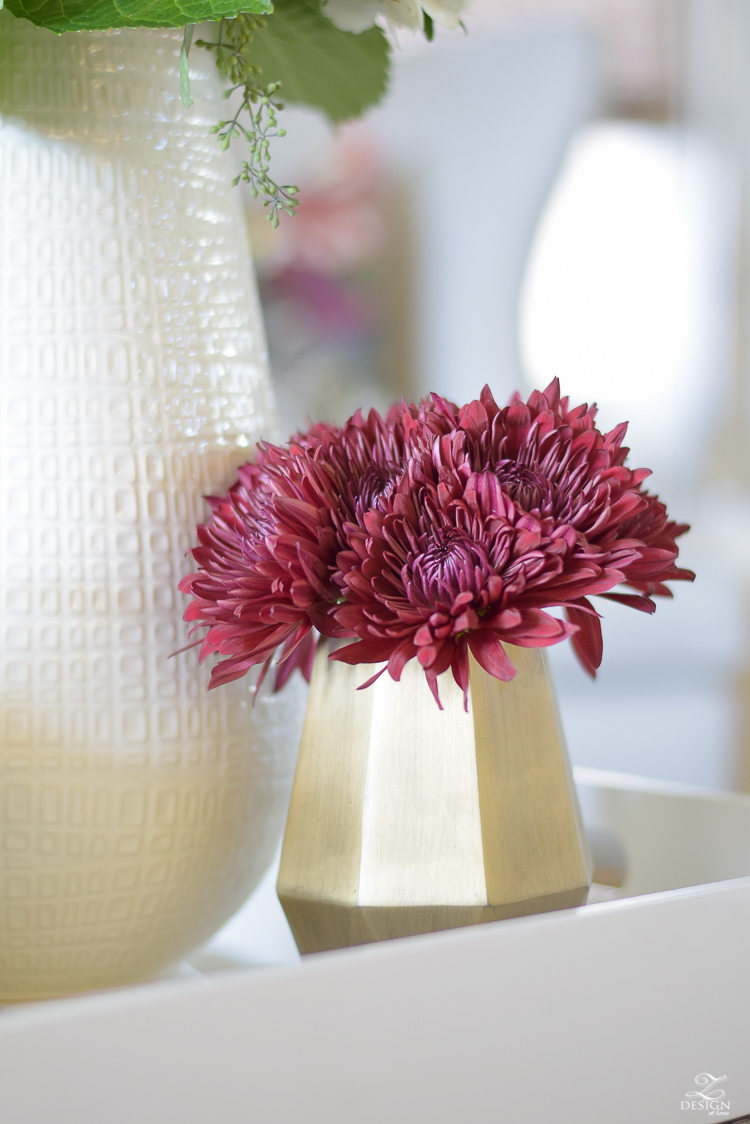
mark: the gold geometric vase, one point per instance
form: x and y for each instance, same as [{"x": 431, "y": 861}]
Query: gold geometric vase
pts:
[{"x": 407, "y": 819}]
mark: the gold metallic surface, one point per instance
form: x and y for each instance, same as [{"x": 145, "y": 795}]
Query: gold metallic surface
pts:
[{"x": 406, "y": 819}]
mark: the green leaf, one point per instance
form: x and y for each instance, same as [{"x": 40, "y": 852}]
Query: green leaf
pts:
[
  {"x": 317, "y": 64},
  {"x": 187, "y": 39},
  {"x": 91, "y": 15}
]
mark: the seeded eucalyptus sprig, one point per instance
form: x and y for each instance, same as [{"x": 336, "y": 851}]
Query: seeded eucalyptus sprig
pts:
[
  {"x": 258, "y": 126},
  {"x": 297, "y": 49},
  {"x": 263, "y": 128}
]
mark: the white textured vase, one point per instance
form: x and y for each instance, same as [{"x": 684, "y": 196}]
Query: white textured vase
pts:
[{"x": 137, "y": 810}]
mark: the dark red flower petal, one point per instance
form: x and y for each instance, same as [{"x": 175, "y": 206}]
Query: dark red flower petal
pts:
[
  {"x": 587, "y": 641},
  {"x": 490, "y": 654}
]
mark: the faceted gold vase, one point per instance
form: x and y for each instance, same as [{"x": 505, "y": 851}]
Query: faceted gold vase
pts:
[{"x": 406, "y": 819}]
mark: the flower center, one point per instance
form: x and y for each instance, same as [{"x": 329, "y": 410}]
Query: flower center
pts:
[
  {"x": 450, "y": 558},
  {"x": 378, "y": 481},
  {"x": 527, "y": 487}
]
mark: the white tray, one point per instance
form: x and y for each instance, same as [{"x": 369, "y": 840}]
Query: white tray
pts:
[{"x": 605, "y": 1014}]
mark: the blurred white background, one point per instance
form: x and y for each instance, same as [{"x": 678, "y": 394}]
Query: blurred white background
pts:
[{"x": 571, "y": 202}]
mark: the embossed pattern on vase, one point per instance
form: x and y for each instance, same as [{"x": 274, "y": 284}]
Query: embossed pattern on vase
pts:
[{"x": 134, "y": 815}]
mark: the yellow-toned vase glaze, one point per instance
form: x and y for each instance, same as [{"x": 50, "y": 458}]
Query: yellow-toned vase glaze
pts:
[{"x": 407, "y": 819}]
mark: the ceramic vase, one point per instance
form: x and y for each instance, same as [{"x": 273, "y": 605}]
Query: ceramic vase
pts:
[
  {"x": 137, "y": 810},
  {"x": 407, "y": 819}
]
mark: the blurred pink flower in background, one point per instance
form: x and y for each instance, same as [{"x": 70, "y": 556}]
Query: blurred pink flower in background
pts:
[
  {"x": 323, "y": 284},
  {"x": 340, "y": 224}
]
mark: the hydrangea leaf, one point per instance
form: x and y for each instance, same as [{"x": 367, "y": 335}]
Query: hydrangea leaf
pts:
[
  {"x": 317, "y": 64},
  {"x": 92, "y": 15}
]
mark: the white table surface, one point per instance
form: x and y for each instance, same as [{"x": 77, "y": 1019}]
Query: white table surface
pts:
[{"x": 606, "y": 1013}]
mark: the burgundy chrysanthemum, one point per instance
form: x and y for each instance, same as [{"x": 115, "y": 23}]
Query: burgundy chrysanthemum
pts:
[
  {"x": 267, "y": 559},
  {"x": 431, "y": 534},
  {"x": 500, "y": 514}
]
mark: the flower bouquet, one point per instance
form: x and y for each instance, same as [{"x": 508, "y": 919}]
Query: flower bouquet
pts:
[
  {"x": 432, "y": 543},
  {"x": 327, "y": 54}
]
